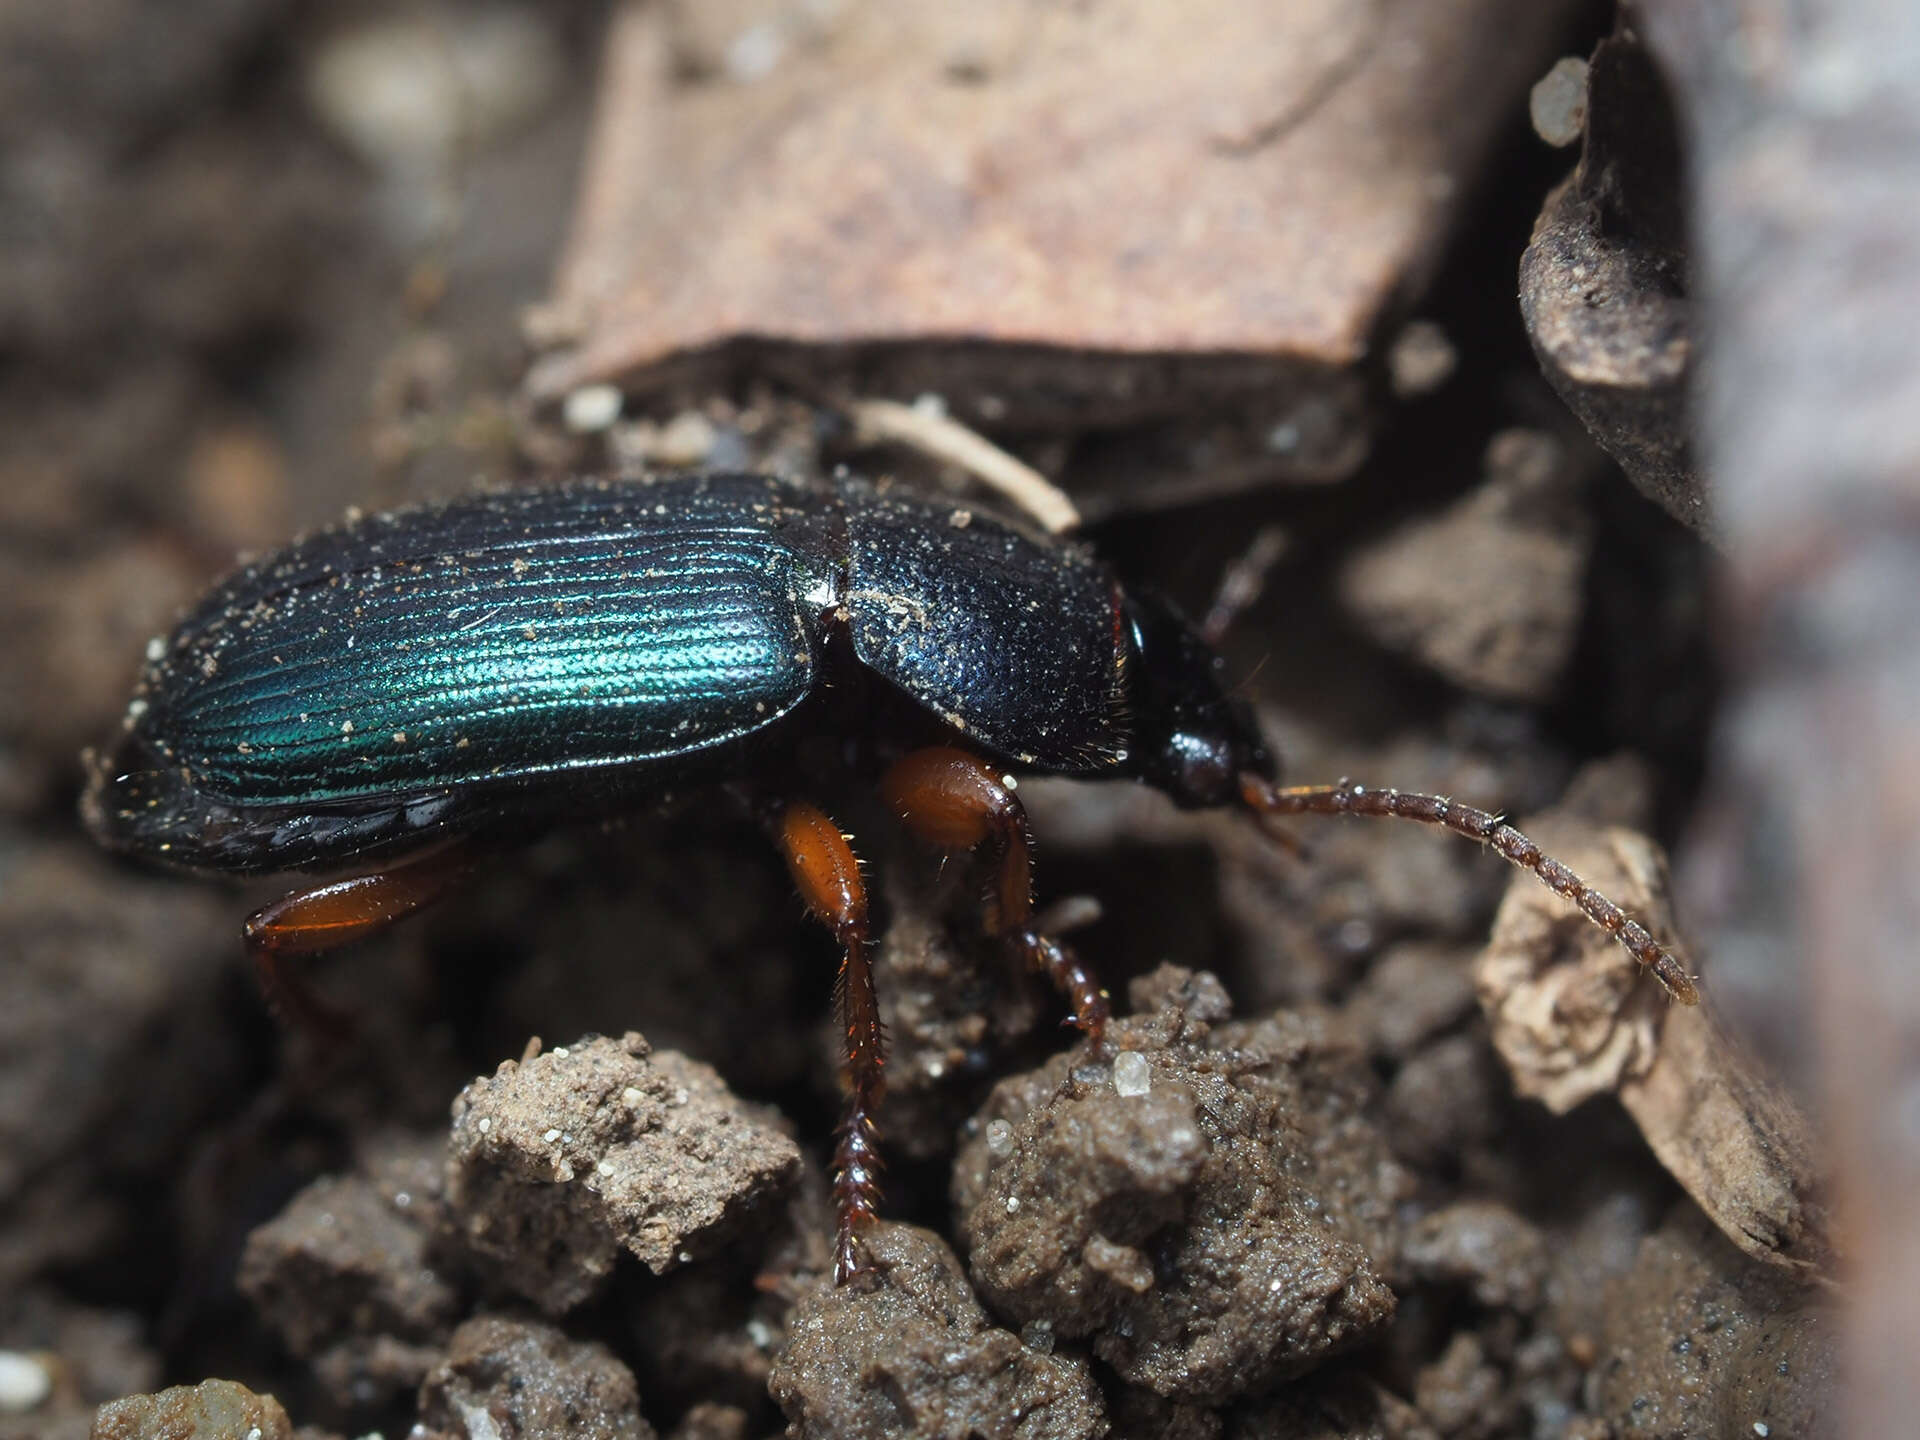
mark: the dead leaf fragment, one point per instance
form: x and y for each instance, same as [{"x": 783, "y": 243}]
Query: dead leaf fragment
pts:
[
  {"x": 1039, "y": 211},
  {"x": 1573, "y": 1017}
]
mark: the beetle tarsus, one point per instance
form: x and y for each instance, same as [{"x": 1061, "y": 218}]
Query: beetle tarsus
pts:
[
  {"x": 1346, "y": 798},
  {"x": 1089, "y": 1006},
  {"x": 856, "y": 1191}
]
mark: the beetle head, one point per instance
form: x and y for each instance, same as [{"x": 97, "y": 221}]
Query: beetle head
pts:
[{"x": 1193, "y": 739}]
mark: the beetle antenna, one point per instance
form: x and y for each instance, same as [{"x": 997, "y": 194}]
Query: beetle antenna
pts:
[{"x": 1346, "y": 798}]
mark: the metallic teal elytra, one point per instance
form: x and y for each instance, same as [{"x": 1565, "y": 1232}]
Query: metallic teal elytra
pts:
[{"x": 502, "y": 638}]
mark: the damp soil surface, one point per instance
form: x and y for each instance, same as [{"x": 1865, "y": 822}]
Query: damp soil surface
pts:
[{"x": 562, "y": 1172}]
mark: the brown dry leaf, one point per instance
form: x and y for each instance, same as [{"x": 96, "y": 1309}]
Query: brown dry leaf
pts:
[
  {"x": 1570, "y": 1012},
  {"x": 1574, "y": 1017},
  {"x": 1096, "y": 190},
  {"x": 1603, "y": 288},
  {"x": 1729, "y": 1134}
]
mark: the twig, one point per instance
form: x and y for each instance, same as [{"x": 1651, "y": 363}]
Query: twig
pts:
[{"x": 930, "y": 430}]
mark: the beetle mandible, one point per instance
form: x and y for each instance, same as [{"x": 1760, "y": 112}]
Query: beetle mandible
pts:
[{"x": 384, "y": 699}]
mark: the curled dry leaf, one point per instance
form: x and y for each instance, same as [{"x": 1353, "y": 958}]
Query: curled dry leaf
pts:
[
  {"x": 1571, "y": 1013},
  {"x": 1573, "y": 1018}
]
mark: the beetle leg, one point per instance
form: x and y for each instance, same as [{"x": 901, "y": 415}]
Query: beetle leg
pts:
[
  {"x": 1266, "y": 799},
  {"x": 309, "y": 922},
  {"x": 955, "y": 801},
  {"x": 827, "y": 874}
]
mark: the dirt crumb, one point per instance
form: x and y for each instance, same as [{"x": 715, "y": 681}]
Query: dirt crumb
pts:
[
  {"x": 510, "y": 1379},
  {"x": 1500, "y": 1257},
  {"x": 211, "y": 1410},
  {"x": 343, "y": 1275},
  {"x": 1446, "y": 1100},
  {"x": 1197, "y": 994},
  {"x": 1463, "y": 1393},
  {"x": 915, "y": 1355},
  {"x": 1413, "y": 992},
  {"x": 112, "y": 1047},
  {"x": 1489, "y": 591},
  {"x": 1700, "y": 1340},
  {"x": 1221, "y": 1222},
  {"x": 557, "y": 1162},
  {"x": 707, "y": 1333}
]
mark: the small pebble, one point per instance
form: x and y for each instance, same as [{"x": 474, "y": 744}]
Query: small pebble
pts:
[
  {"x": 1421, "y": 359},
  {"x": 24, "y": 1383},
  {"x": 999, "y": 1139},
  {"x": 1131, "y": 1074},
  {"x": 479, "y": 1421},
  {"x": 756, "y": 52},
  {"x": 687, "y": 439},
  {"x": 592, "y": 408},
  {"x": 1283, "y": 438},
  {"x": 405, "y": 91},
  {"x": 1557, "y": 104}
]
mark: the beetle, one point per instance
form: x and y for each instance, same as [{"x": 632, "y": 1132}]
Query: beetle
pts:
[{"x": 384, "y": 699}]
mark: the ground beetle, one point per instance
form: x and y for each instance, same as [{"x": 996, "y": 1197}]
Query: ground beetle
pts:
[{"x": 385, "y": 698}]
